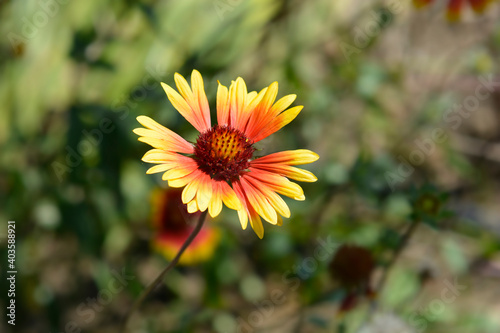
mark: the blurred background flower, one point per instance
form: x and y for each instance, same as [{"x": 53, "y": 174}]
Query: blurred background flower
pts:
[
  {"x": 352, "y": 266},
  {"x": 173, "y": 224},
  {"x": 454, "y": 8}
]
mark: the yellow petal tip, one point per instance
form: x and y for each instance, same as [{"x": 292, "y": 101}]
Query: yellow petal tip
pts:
[{"x": 259, "y": 234}]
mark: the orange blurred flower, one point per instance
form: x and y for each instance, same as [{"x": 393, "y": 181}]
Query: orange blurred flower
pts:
[
  {"x": 172, "y": 226},
  {"x": 454, "y": 7}
]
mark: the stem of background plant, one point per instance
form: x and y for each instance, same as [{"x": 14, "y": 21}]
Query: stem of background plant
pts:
[
  {"x": 171, "y": 265},
  {"x": 404, "y": 241},
  {"x": 341, "y": 327}
]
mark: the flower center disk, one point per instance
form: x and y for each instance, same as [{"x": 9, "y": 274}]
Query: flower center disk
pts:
[{"x": 223, "y": 152}]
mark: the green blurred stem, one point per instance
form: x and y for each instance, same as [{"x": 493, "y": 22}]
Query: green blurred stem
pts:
[
  {"x": 404, "y": 240},
  {"x": 162, "y": 275}
]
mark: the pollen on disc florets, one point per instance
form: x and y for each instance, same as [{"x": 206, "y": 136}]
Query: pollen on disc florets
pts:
[{"x": 223, "y": 152}]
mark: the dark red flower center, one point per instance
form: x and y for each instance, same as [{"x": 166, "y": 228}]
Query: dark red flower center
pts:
[
  {"x": 223, "y": 152},
  {"x": 172, "y": 215},
  {"x": 352, "y": 266}
]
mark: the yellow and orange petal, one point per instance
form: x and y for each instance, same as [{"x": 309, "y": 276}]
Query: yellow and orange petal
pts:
[
  {"x": 192, "y": 104},
  {"x": 161, "y": 137},
  {"x": 219, "y": 168}
]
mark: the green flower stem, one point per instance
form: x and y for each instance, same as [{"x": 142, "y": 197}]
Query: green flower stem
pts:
[
  {"x": 162, "y": 275},
  {"x": 404, "y": 241}
]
